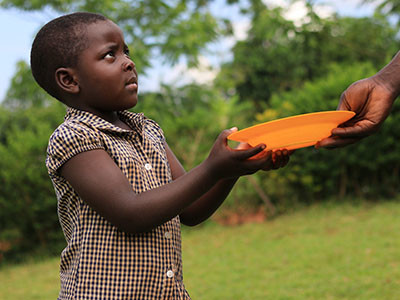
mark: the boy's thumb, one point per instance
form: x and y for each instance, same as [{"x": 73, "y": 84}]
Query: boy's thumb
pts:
[
  {"x": 233, "y": 129},
  {"x": 230, "y": 131},
  {"x": 227, "y": 132}
]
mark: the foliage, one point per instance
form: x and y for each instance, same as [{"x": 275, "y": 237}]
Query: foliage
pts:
[
  {"x": 283, "y": 68},
  {"x": 28, "y": 207},
  {"x": 23, "y": 92},
  {"x": 387, "y": 8},
  {"x": 28, "y": 211},
  {"x": 369, "y": 168},
  {"x": 192, "y": 117},
  {"x": 279, "y": 55},
  {"x": 175, "y": 29}
]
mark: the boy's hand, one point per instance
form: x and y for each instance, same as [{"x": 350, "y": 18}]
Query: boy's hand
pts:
[
  {"x": 226, "y": 162},
  {"x": 279, "y": 158}
]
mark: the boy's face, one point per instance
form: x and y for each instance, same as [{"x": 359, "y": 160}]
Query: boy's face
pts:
[{"x": 106, "y": 75}]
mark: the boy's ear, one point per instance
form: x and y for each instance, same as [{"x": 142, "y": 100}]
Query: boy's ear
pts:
[{"x": 66, "y": 80}]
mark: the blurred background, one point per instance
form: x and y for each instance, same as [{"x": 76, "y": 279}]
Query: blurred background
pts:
[{"x": 205, "y": 66}]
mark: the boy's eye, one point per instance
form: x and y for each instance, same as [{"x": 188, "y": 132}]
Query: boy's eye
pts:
[
  {"x": 109, "y": 54},
  {"x": 126, "y": 51}
]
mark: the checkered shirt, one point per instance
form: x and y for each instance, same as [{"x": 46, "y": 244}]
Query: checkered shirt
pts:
[{"x": 101, "y": 261}]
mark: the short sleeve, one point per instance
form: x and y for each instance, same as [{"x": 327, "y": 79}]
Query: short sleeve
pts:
[{"x": 68, "y": 140}]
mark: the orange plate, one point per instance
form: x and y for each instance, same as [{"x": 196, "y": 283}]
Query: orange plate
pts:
[{"x": 293, "y": 132}]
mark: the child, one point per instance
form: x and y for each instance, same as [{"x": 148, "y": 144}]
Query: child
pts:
[{"x": 121, "y": 191}]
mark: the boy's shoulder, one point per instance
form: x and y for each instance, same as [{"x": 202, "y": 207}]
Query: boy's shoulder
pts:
[
  {"x": 71, "y": 129},
  {"x": 85, "y": 132},
  {"x": 80, "y": 125},
  {"x": 76, "y": 134}
]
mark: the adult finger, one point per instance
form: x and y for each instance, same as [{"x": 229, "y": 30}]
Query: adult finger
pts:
[
  {"x": 358, "y": 130},
  {"x": 336, "y": 142}
]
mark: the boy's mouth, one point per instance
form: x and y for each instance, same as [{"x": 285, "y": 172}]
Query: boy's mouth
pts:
[{"x": 132, "y": 81}]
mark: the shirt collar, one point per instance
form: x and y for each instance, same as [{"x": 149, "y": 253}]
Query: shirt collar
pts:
[{"x": 133, "y": 120}]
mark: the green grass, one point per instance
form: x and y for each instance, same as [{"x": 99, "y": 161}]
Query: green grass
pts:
[
  {"x": 346, "y": 251},
  {"x": 30, "y": 281}
]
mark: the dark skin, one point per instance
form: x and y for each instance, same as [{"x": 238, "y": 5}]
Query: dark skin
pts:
[
  {"x": 105, "y": 82},
  {"x": 371, "y": 99}
]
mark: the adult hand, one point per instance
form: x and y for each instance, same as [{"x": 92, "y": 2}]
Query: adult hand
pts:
[{"x": 371, "y": 100}]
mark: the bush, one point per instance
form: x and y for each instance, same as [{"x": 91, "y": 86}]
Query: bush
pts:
[
  {"x": 369, "y": 168},
  {"x": 28, "y": 206},
  {"x": 192, "y": 117}
]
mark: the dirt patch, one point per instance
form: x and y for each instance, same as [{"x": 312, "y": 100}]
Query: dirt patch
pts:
[
  {"x": 4, "y": 247},
  {"x": 241, "y": 216}
]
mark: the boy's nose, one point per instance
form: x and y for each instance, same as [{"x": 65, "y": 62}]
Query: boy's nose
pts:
[{"x": 129, "y": 65}]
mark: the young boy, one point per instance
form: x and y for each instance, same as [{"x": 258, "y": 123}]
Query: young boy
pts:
[{"x": 121, "y": 191}]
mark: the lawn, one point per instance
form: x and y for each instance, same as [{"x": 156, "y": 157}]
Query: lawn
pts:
[{"x": 330, "y": 251}]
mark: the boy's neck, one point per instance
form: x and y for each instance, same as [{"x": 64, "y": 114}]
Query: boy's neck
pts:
[{"x": 110, "y": 116}]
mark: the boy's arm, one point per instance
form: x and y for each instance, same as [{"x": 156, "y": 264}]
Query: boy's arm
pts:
[
  {"x": 103, "y": 186},
  {"x": 207, "y": 204}
]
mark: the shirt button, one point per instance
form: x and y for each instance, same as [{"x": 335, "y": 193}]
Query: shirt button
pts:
[
  {"x": 147, "y": 167},
  {"x": 170, "y": 274},
  {"x": 168, "y": 235}
]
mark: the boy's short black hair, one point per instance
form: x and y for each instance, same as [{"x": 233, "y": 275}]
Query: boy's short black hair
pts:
[{"x": 58, "y": 44}]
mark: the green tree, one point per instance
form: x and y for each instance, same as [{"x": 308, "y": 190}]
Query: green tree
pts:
[
  {"x": 28, "y": 206},
  {"x": 279, "y": 55},
  {"x": 260, "y": 62},
  {"x": 387, "y": 8},
  {"x": 192, "y": 116},
  {"x": 369, "y": 168},
  {"x": 24, "y": 92},
  {"x": 174, "y": 29}
]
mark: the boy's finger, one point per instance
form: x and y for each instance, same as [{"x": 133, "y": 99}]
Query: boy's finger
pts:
[
  {"x": 283, "y": 162},
  {"x": 286, "y": 157},
  {"x": 225, "y": 133},
  {"x": 277, "y": 159},
  {"x": 243, "y": 146},
  {"x": 264, "y": 161},
  {"x": 268, "y": 165},
  {"x": 245, "y": 154}
]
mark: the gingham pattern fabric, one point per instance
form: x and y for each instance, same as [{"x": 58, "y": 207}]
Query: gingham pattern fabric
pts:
[{"x": 100, "y": 261}]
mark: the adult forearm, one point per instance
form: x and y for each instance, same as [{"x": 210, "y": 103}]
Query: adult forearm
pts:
[
  {"x": 206, "y": 205},
  {"x": 389, "y": 76}
]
